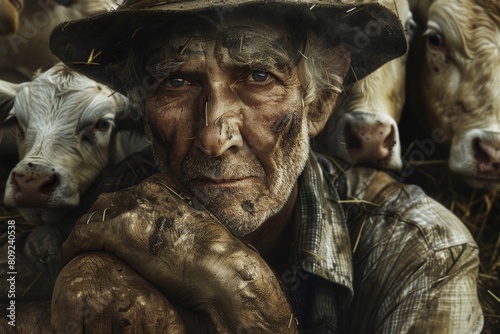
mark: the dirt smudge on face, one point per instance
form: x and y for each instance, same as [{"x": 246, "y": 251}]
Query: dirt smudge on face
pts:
[
  {"x": 291, "y": 130},
  {"x": 248, "y": 206},
  {"x": 281, "y": 124}
]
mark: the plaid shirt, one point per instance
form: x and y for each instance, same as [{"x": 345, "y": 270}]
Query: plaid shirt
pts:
[
  {"x": 406, "y": 265},
  {"x": 400, "y": 263}
]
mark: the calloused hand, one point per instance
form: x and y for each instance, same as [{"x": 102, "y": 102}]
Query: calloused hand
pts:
[{"x": 184, "y": 251}]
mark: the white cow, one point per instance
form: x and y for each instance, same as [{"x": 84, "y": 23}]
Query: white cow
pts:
[
  {"x": 457, "y": 68},
  {"x": 363, "y": 129},
  {"x": 25, "y": 27},
  {"x": 65, "y": 136}
]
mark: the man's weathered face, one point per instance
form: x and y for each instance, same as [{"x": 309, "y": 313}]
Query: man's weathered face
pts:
[{"x": 229, "y": 121}]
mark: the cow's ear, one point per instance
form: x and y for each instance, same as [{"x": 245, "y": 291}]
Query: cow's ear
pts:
[
  {"x": 323, "y": 105},
  {"x": 8, "y": 92}
]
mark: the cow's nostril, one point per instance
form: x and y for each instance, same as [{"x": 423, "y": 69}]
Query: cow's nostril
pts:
[
  {"x": 49, "y": 184},
  {"x": 390, "y": 140},
  {"x": 480, "y": 155}
]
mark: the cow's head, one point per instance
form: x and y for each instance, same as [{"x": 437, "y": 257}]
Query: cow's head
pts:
[
  {"x": 64, "y": 134},
  {"x": 460, "y": 84},
  {"x": 9, "y": 16},
  {"x": 363, "y": 129}
]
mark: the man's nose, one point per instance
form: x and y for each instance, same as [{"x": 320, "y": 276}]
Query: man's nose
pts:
[{"x": 220, "y": 130}]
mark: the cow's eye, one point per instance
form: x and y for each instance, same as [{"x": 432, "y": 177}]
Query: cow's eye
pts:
[
  {"x": 103, "y": 125},
  {"x": 260, "y": 75},
  {"x": 436, "y": 39}
]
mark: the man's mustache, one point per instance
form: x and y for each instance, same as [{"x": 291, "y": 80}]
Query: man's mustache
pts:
[{"x": 221, "y": 167}]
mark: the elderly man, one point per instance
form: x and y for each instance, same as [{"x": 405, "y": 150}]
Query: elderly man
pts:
[{"x": 245, "y": 229}]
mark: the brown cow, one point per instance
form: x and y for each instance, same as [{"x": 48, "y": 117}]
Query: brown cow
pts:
[
  {"x": 363, "y": 130},
  {"x": 458, "y": 73}
]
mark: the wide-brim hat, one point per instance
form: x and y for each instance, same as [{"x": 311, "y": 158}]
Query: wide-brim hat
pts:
[{"x": 96, "y": 45}]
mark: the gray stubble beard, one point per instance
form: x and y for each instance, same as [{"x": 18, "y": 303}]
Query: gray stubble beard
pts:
[{"x": 255, "y": 209}]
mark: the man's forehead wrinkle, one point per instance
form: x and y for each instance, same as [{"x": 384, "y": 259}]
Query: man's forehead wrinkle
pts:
[
  {"x": 177, "y": 47},
  {"x": 250, "y": 43},
  {"x": 165, "y": 59},
  {"x": 257, "y": 53},
  {"x": 248, "y": 46}
]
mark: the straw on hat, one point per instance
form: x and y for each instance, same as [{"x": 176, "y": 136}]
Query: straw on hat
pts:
[{"x": 96, "y": 45}]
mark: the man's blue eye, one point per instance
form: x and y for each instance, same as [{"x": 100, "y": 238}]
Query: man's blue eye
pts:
[
  {"x": 260, "y": 75},
  {"x": 176, "y": 81}
]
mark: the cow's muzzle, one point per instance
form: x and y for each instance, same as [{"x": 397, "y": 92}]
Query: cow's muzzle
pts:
[
  {"x": 476, "y": 155},
  {"x": 32, "y": 185}
]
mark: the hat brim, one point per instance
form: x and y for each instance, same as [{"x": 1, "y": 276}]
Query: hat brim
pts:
[{"x": 96, "y": 45}]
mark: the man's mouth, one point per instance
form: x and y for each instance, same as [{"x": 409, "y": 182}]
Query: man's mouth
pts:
[{"x": 223, "y": 182}]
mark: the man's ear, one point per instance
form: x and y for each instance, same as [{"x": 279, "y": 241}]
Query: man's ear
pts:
[{"x": 322, "y": 106}]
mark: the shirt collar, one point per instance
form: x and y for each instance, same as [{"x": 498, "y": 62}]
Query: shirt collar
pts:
[{"x": 321, "y": 238}]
